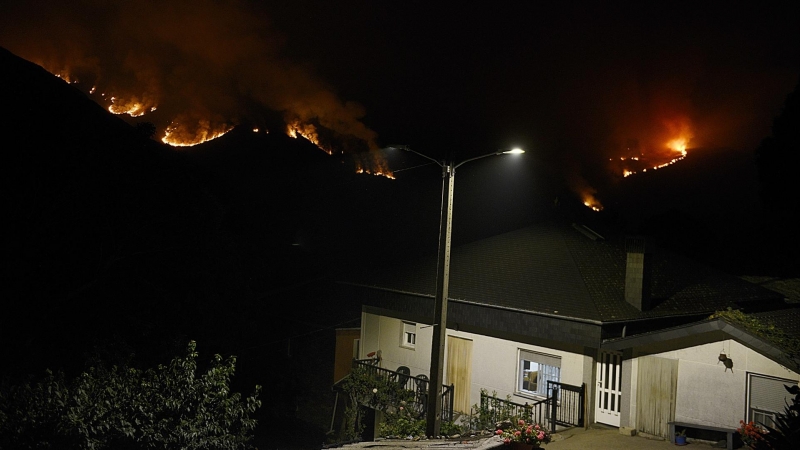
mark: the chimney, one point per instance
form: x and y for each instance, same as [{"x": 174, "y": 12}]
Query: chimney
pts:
[{"x": 636, "y": 284}]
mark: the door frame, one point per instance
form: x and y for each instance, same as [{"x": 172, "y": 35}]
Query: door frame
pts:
[{"x": 608, "y": 372}]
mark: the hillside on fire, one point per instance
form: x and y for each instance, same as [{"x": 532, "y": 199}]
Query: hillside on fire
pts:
[{"x": 122, "y": 244}]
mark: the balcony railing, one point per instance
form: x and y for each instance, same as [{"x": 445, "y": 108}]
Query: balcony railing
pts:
[
  {"x": 564, "y": 406},
  {"x": 416, "y": 384}
]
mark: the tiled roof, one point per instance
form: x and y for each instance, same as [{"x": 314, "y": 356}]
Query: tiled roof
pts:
[
  {"x": 787, "y": 320},
  {"x": 555, "y": 269}
]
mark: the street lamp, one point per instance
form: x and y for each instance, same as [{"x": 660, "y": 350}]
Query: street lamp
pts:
[{"x": 434, "y": 407}]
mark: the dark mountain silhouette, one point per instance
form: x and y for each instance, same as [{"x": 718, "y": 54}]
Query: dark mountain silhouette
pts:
[
  {"x": 119, "y": 245},
  {"x": 119, "y": 241}
]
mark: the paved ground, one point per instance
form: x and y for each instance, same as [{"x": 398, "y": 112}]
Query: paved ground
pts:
[{"x": 596, "y": 437}]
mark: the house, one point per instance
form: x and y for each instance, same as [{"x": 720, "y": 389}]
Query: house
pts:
[{"x": 627, "y": 322}]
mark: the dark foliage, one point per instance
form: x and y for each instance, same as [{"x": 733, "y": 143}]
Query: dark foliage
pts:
[
  {"x": 786, "y": 433},
  {"x": 169, "y": 406},
  {"x": 120, "y": 247},
  {"x": 778, "y": 157}
]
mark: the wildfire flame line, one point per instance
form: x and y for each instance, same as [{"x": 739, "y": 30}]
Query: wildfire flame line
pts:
[
  {"x": 178, "y": 134},
  {"x": 677, "y": 145},
  {"x": 309, "y": 132},
  {"x": 178, "y": 137},
  {"x": 370, "y": 164}
]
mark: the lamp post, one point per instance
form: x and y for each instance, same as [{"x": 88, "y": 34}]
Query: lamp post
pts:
[{"x": 434, "y": 407}]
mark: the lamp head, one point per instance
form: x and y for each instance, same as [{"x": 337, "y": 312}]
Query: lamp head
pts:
[{"x": 515, "y": 151}]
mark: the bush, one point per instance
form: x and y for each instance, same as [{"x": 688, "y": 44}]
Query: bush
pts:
[
  {"x": 786, "y": 433},
  {"x": 121, "y": 407},
  {"x": 450, "y": 428},
  {"x": 401, "y": 423}
]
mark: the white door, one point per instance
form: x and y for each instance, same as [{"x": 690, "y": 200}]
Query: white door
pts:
[{"x": 609, "y": 388}]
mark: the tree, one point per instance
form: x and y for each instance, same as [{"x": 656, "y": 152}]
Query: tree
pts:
[
  {"x": 778, "y": 156},
  {"x": 122, "y": 407}
]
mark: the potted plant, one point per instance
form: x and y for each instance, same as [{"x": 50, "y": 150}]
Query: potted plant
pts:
[
  {"x": 751, "y": 434},
  {"x": 680, "y": 437},
  {"x": 523, "y": 435}
]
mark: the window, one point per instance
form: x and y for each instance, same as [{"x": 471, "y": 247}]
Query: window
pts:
[
  {"x": 535, "y": 370},
  {"x": 764, "y": 418},
  {"x": 766, "y": 397},
  {"x": 409, "y": 337}
]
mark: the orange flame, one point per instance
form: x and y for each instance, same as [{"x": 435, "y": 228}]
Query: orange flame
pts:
[
  {"x": 591, "y": 202},
  {"x": 673, "y": 150},
  {"x": 132, "y": 107},
  {"x": 308, "y": 131},
  {"x": 178, "y": 135},
  {"x": 580, "y": 186},
  {"x": 368, "y": 163},
  {"x": 371, "y": 163},
  {"x": 65, "y": 76}
]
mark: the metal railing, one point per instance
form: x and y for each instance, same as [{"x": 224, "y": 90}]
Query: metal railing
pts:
[
  {"x": 493, "y": 410},
  {"x": 416, "y": 384},
  {"x": 563, "y": 406},
  {"x": 571, "y": 403}
]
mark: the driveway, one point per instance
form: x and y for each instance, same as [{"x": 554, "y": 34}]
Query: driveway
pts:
[
  {"x": 595, "y": 437},
  {"x": 600, "y": 437}
]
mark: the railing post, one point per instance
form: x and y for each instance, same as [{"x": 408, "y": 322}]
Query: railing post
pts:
[{"x": 554, "y": 410}]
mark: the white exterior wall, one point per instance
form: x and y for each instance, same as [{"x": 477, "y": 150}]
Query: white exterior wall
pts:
[
  {"x": 494, "y": 361},
  {"x": 386, "y": 333},
  {"x": 707, "y": 393},
  {"x": 495, "y": 366}
]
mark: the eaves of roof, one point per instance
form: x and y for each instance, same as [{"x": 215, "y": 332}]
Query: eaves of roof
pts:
[
  {"x": 491, "y": 306},
  {"x": 554, "y": 269},
  {"x": 675, "y": 336}
]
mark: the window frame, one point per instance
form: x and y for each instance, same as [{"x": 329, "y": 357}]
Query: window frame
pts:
[
  {"x": 553, "y": 372},
  {"x": 750, "y": 409},
  {"x": 409, "y": 328}
]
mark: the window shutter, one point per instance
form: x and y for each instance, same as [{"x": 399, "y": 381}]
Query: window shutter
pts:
[
  {"x": 768, "y": 394},
  {"x": 541, "y": 358}
]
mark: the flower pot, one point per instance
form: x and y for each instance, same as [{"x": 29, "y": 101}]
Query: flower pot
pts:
[
  {"x": 680, "y": 440},
  {"x": 522, "y": 446}
]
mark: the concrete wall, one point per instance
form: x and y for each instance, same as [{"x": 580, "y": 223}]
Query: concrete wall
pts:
[
  {"x": 494, "y": 361},
  {"x": 707, "y": 393}
]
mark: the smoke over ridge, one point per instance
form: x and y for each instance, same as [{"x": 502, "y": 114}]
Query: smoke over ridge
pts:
[{"x": 197, "y": 66}]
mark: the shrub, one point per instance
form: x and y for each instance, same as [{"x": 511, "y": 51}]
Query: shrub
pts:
[
  {"x": 401, "y": 422},
  {"x": 369, "y": 388},
  {"x": 786, "y": 432},
  {"x": 449, "y": 428},
  {"x": 120, "y": 407}
]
